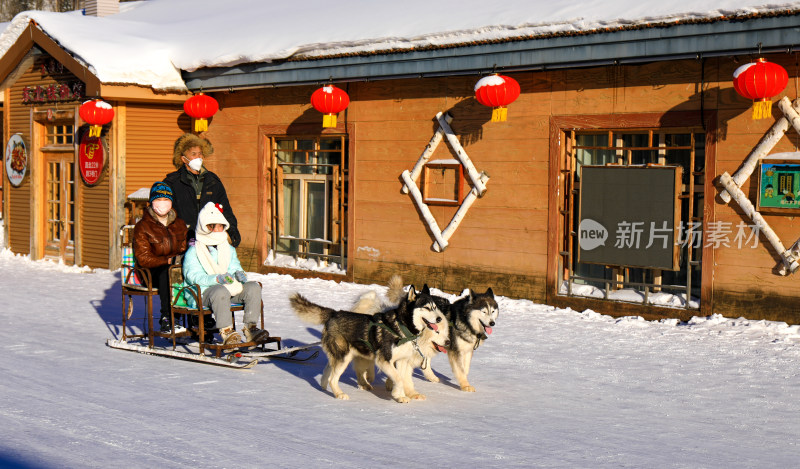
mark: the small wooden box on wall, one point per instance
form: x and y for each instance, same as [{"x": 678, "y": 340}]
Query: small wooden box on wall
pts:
[{"x": 443, "y": 183}]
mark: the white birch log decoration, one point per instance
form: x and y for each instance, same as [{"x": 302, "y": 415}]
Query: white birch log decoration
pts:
[
  {"x": 790, "y": 112},
  {"x": 426, "y": 155},
  {"x": 794, "y": 251},
  {"x": 789, "y": 260},
  {"x": 426, "y": 212},
  {"x": 462, "y": 210},
  {"x": 462, "y": 156},
  {"x": 763, "y": 148}
]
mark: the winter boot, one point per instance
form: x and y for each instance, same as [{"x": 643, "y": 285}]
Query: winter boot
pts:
[
  {"x": 166, "y": 327},
  {"x": 229, "y": 336},
  {"x": 254, "y": 334}
]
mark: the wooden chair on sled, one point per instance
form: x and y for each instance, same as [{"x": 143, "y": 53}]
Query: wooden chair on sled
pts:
[
  {"x": 136, "y": 281},
  {"x": 195, "y": 317}
]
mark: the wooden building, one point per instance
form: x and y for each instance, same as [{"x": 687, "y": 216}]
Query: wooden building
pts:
[
  {"x": 51, "y": 212},
  {"x": 634, "y": 96}
]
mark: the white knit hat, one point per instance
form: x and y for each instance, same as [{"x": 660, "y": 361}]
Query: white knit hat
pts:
[{"x": 211, "y": 213}]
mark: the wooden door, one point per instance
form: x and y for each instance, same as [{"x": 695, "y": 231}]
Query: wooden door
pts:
[{"x": 59, "y": 209}]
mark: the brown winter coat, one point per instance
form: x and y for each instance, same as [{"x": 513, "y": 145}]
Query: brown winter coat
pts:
[{"x": 154, "y": 243}]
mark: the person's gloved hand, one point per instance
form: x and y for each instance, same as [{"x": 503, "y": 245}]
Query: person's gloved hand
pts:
[
  {"x": 236, "y": 238},
  {"x": 224, "y": 279},
  {"x": 240, "y": 276}
]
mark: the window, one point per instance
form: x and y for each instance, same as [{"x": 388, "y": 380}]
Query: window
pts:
[
  {"x": 309, "y": 198},
  {"x": 683, "y": 147},
  {"x": 59, "y": 134}
]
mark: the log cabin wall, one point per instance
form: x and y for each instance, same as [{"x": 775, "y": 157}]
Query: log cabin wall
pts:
[
  {"x": 503, "y": 240},
  {"x": 17, "y": 215},
  {"x": 151, "y": 131}
]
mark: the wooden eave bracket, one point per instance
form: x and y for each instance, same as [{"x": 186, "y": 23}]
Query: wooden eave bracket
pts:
[
  {"x": 410, "y": 179},
  {"x": 730, "y": 186}
]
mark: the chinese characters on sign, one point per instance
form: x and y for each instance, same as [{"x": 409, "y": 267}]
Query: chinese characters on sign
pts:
[
  {"x": 91, "y": 158},
  {"x": 72, "y": 91}
]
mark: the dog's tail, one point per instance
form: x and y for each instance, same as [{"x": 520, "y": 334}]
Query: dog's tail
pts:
[
  {"x": 395, "y": 294},
  {"x": 368, "y": 303},
  {"x": 308, "y": 311}
]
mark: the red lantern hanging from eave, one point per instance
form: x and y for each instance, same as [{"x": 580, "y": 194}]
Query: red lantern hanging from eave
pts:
[
  {"x": 329, "y": 100},
  {"x": 200, "y": 107},
  {"x": 96, "y": 113},
  {"x": 759, "y": 81},
  {"x": 497, "y": 92}
]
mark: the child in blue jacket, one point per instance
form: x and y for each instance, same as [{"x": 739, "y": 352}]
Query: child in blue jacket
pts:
[{"x": 212, "y": 264}]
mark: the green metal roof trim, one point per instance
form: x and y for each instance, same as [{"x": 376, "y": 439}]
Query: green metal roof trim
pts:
[{"x": 637, "y": 43}]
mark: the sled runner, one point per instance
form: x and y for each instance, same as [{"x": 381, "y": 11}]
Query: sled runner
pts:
[
  {"x": 289, "y": 353},
  {"x": 231, "y": 360}
]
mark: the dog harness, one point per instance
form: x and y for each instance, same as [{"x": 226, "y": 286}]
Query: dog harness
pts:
[{"x": 406, "y": 337}]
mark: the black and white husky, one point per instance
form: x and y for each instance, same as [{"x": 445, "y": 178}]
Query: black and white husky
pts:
[
  {"x": 389, "y": 339},
  {"x": 471, "y": 320}
]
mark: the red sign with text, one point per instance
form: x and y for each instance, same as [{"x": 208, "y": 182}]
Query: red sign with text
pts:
[{"x": 91, "y": 158}]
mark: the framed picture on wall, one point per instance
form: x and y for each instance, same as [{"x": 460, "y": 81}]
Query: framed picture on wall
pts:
[{"x": 779, "y": 186}]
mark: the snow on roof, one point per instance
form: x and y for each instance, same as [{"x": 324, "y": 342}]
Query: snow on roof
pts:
[{"x": 149, "y": 42}]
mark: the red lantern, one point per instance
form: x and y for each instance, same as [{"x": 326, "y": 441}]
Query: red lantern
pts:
[
  {"x": 330, "y": 101},
  {"x": 760, "y": 81},
  {"x": 96, "y": 113},
  {"x": 497, "y": 92},
  {"x": 200, "y": 107}
]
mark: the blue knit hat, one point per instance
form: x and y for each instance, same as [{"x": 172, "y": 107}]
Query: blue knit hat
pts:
[{"x": 160, "y": 189}]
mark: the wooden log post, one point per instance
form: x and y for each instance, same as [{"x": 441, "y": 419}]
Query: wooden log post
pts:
[
  {"x": 473, "y": 174},
  {"x": 789, "y": 258},
  {"x": 767, "y": 143},
  {"x": 462, "y": 210},
  {"x": 426, "y": 212},
  {"x": 426, "y": 155}
]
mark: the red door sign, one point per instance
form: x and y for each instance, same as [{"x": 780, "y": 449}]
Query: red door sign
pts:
[{"x": 91, "y": 158}]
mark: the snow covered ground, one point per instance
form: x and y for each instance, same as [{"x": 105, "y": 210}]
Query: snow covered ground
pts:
[{"x": 555, "y": 388}]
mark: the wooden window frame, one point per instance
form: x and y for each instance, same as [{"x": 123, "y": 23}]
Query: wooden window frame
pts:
[
  {"x": 560, "y": 168},
  {"x": 458, "y": 190}
]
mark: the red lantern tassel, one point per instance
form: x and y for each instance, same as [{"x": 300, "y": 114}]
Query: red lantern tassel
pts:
[
  {"x": 762, "y": 109},
  {"x": 329, "y": 120},
  {"x": 200, "y": 125},
  {"x": 499, "y": 114}
]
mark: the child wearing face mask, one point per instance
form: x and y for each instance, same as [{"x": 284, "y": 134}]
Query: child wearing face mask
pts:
[
  {"x": 212, "y": 264},
  {"x": 157, "y": 238}
]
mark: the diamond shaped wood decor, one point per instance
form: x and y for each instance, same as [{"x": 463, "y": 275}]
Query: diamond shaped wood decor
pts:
[
  {"x": 731, "y": 185},
  {"x": 477, "y": 179}
]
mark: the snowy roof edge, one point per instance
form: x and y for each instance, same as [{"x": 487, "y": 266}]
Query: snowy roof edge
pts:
[
  {"x": 695, "y": 39},
  {"x": 165, "y": 75}
]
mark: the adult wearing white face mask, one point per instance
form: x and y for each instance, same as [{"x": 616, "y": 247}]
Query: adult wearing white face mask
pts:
[
  {"x": 194, "y": 186},
  {"x": 157, "y": 238}
]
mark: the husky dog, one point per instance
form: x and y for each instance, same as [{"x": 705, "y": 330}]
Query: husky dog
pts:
[
  {"x": 369, "y": 303},
  {"x": 388, "y": 339},
  {"x": 471, "y": 320}
]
